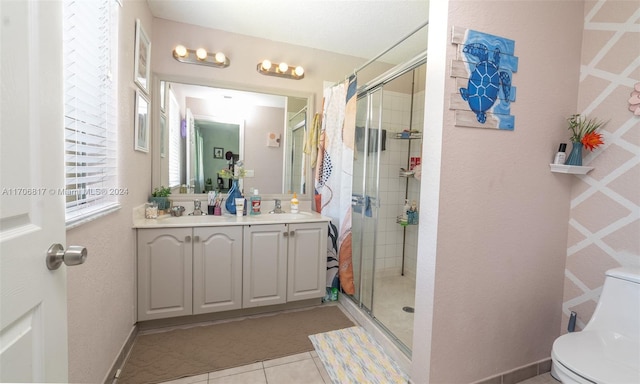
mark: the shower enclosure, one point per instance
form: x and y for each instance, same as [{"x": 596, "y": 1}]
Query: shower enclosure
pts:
[{"x": 386, "y": 173}]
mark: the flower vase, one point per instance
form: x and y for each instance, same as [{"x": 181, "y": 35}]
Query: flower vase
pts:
[
  {"x": 233, "y": 193},
  {"x": 575, "y": 156}
]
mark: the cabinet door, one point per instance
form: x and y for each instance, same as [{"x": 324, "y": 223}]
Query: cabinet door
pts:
[
  {"x": 164, "y": 273},
  {"x": 307, "y": 261},
  {"x": 217, "y": 269},
  {"x": 264, "y": 265}
]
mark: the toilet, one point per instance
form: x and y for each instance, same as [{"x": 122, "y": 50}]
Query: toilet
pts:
[{"x": 607, "y": 350}]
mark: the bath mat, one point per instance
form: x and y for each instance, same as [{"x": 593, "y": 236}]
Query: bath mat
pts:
[
  {"x": 164, "y": 356},
  {"x": 352, "y": 356}
]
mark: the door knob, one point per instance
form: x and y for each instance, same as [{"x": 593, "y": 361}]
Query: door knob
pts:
[{"x": 74, "y": 255}]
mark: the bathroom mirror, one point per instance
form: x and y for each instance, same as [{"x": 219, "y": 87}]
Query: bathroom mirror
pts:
[{"x": 209, "y": 127}]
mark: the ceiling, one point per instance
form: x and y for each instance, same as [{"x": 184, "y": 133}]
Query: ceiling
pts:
[{"x": 351, "y": 27}]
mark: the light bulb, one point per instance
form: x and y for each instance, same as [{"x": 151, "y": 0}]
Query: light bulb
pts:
[
  {"x": 201, "y": 53},
  {"x": 299, "y": 71},
  {"x": 283, "y": 67},
  {"x": 220, "y": 57},
  {"x": 181, "y": 51},
  {"x": 266, "y": 65}
]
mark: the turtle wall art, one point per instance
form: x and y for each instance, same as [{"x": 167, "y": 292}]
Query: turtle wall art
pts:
[{"x": 483, "y": 70}]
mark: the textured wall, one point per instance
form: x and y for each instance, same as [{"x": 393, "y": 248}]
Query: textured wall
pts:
[
  {"x": 101, "y": 292},
  {"x": 495, "y": 243},
  {"x": 604, "y": 228}
]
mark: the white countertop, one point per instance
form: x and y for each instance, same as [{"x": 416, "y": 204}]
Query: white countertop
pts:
[{"x": 168, "y": 221}]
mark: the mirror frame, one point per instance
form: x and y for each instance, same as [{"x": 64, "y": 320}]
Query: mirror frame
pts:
[{"x": 155, "y": 132}]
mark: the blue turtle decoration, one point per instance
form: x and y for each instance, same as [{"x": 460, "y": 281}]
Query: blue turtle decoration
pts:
[{"x": 485, "y": 80}]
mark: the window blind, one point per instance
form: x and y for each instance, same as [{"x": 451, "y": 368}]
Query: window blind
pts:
[
  {"x": 175, "y": 140},
  {"x": 90, "y": 85}
]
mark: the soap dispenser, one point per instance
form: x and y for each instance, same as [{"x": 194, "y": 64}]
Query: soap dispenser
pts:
[
  {"x": 295, "y": 204},
  {"x": 256, "y": 202}
]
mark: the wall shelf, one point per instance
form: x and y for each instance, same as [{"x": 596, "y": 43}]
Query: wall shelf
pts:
[{"x": 572, "y": 169}]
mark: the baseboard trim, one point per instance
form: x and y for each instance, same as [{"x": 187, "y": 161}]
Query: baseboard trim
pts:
[
  {"x": 519, "y": 374},
  {"x": 120, "y": 359}
]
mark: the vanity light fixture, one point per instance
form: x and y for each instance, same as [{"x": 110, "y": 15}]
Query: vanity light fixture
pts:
[
  {"x": 200, "y": 56},
  {"x": 280, "y": 70}
]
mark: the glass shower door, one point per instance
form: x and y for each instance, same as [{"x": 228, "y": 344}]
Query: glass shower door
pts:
[{"x": 365, "y": 199}]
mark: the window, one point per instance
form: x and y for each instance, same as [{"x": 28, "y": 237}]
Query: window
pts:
[
  {"x": 90, "y": 96},
  {"x": 175, "y": 140}
]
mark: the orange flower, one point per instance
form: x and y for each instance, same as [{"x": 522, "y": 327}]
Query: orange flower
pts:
[{"x": 592, "y": 140}]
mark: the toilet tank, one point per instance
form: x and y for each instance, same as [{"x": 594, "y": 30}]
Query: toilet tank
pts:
[{"x": 618, "y": 308}]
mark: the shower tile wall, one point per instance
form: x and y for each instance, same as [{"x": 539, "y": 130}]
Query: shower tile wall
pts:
[{"x": 396, "y": 117}]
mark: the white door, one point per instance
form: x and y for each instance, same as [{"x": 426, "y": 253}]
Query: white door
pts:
[{"x": 33, "y": 300}]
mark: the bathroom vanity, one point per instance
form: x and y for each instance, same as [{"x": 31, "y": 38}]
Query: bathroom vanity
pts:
[{"x": 202, "y": 264}]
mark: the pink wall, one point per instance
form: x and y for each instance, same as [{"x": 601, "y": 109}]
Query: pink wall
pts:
[
  {"x": 605, "y": 204},
  {"x": 265, "y": 161},
  {"x": 245, "y": 53},
  {"x": 501, "y": 229},
  {"x": 101, "y": 292}
]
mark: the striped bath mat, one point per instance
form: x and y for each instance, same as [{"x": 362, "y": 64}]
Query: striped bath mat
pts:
[{"x": 352, "y": 356}]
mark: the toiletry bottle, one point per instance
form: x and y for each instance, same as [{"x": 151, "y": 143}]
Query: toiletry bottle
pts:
[
  {"x": 561, "y": 155},
  {"x": 414, "y": 213},
  {"x": 256, "y": 201},
  {"x": 295, "y": 204},
  {"x": 405, "y": 212}
]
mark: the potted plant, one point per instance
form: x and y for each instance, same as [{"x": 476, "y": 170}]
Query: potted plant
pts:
[
  {"x": 161, "y": 197},
  {"x": 583, "y": 134}
]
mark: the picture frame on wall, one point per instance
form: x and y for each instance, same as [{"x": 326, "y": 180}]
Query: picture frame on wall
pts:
[
  {"x": 142, "y": 58},
  {"x": 218, "y": 153},
  {"x": 141, "y": 123}
]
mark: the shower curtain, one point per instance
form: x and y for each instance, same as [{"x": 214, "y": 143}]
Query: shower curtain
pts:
[{"x": 333, "y": 179}]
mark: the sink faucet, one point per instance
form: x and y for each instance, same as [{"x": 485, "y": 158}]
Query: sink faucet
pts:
[
  {"x": 196, "y": 208},
  {"x": 278, "y": 207}
]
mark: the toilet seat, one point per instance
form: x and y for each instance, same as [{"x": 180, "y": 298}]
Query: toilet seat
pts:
[{"x": 599, "y": 356}]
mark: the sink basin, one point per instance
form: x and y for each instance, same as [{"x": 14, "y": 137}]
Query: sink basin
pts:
[
  {"x": 167, "y": 219},
  {"x": 284, "y": 216}
]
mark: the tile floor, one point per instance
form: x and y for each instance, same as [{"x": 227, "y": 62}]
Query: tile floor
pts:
[
  {"x": 545, "y": 378},
  {"x": 307, "y": 367},
  {"x": 296, "y": 369}
]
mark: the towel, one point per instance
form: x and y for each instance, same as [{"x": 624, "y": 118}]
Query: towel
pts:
[
  {"x": 360, "y": 203},
  {"x": 310, "y": 147}
]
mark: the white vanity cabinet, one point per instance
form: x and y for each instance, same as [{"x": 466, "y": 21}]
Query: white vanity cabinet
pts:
[
  {"x": 217, "y": 269},
  {"x": 184, "y": 271},
  {"x": 201, "y": 268},
  {"x": 264, "y": 264},
  {"x": 306, "y": 261},
  {"x": 164, "y": 273},
  {"x": 284, "y": 263}
]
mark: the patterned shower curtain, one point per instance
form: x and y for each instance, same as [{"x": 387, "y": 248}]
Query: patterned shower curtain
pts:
[{"x": 333, "y": 179}]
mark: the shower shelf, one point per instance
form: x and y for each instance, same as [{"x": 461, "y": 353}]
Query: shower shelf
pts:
[
  {"x": 408, "y": 136},
  {"x": 400, "y": 221}
]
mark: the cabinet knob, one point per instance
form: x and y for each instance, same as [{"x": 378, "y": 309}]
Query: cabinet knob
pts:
[
  {"x": 285, "y": 234},
  {"x": 196, "y": 238},
  {"x": 292, "y": 233},
  {"x": 187, "y": 239}
]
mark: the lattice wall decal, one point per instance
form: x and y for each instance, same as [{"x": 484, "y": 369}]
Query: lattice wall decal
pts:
[{"x": 604, "y": 227}]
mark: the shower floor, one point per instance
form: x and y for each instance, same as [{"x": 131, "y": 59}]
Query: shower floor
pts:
[{"x": 391, "y": 294}]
